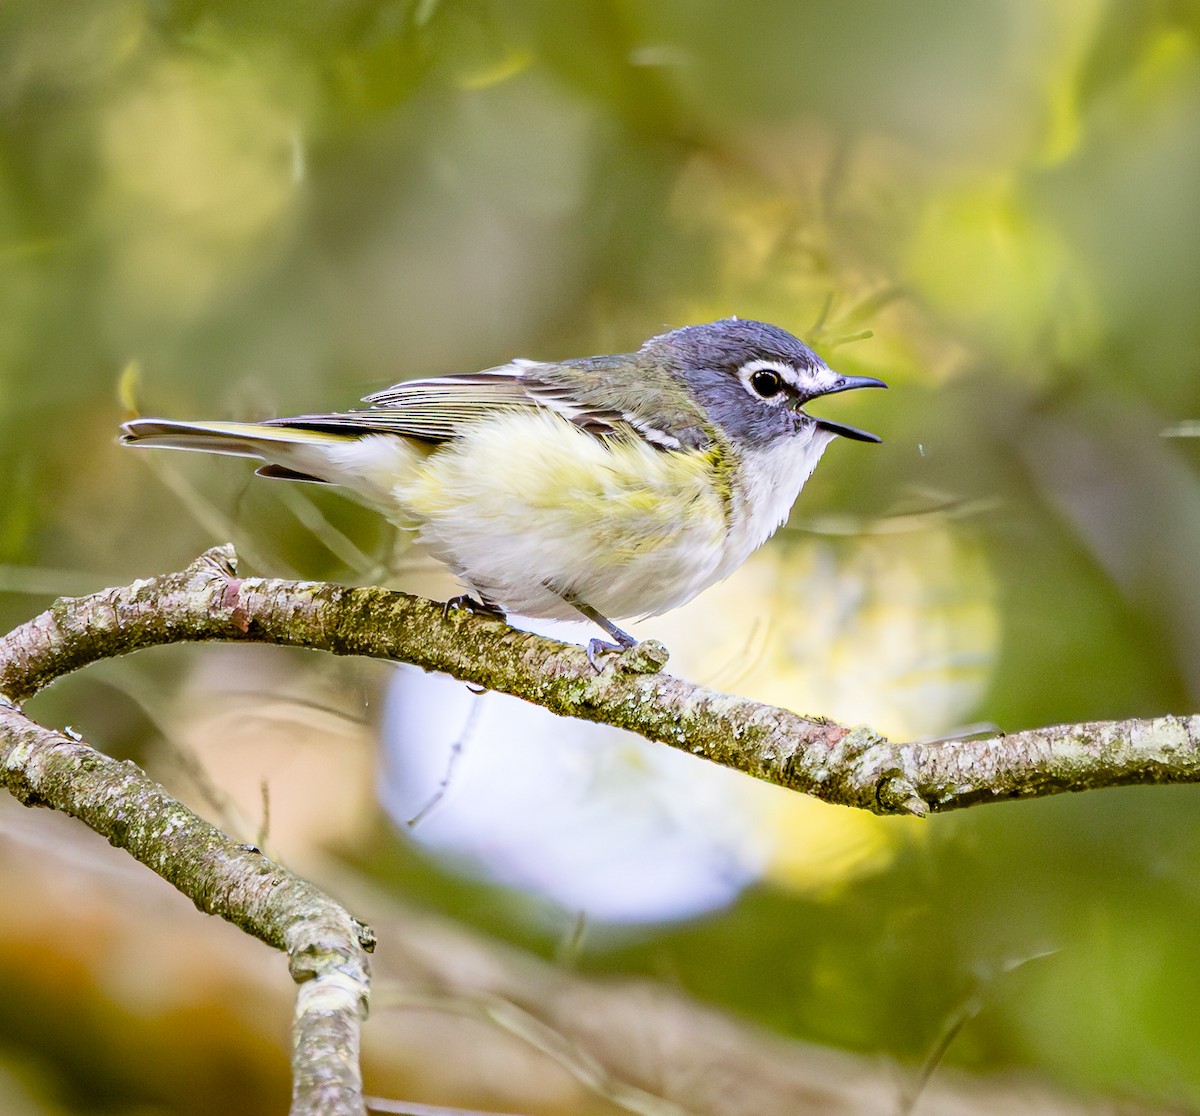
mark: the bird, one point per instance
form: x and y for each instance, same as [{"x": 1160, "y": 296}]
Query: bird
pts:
[{"x": 610, "y": 487}]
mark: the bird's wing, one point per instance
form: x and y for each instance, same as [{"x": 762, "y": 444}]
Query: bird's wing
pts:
[
  {"x": 433, "y": 410},
  {"x": 438, "y": 409}
]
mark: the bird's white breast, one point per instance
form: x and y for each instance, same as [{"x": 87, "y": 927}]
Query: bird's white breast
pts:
[{"x": 769, "y": 480}]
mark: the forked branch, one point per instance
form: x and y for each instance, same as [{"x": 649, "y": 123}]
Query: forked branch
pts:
[{"x": 325, "y": 946}]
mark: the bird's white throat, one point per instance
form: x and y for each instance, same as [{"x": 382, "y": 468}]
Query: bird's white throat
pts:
[{"x": 769, "y": 480}]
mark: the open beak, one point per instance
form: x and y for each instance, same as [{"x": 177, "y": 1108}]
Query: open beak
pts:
[{"x": 849, "y": 383}]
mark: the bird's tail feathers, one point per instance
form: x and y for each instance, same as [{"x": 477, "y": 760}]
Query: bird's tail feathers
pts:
[
  {"x": 239, "y": 439},
  {"x": 329, "y": 449}
]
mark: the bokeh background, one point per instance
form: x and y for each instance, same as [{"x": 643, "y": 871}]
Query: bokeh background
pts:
[{"x": 227, "y": 209}]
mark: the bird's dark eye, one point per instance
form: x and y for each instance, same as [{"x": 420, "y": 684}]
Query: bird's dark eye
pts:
[{"x": 766, "y": 382}]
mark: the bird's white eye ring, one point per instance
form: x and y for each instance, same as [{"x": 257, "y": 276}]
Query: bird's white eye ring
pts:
[{"x": 766, "y": 380}]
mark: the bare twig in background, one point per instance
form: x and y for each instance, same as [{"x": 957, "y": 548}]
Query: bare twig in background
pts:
[{"x": 646, "y": 1035}]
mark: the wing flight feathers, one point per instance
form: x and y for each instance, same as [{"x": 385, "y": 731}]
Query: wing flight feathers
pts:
[{"x": 438, "y": 409}]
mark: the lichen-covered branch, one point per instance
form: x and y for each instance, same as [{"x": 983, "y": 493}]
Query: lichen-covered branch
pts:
[
  {"x": 326, "y": 948},
  {"x": 850, "y": 766},
  {"x": 1035, "y": 763}
]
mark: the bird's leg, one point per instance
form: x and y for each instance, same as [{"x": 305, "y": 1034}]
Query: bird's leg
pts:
[
  {"x": 624, "y": 641},
  {"x": 481, "y": 607}
]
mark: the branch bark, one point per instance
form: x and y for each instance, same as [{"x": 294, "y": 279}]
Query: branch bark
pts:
[
  {"x": 852, "y": 766},
  {"x": 326, "y": 947}
]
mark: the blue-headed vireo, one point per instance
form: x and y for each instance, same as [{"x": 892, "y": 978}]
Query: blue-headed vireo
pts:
[{"x": 612, "y": 486}]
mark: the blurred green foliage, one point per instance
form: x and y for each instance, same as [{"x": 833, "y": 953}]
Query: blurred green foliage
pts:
[{"x": 260, "y": 208}]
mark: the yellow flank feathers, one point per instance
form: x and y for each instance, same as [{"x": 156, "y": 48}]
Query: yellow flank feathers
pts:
[{"x": 530, "y": 491}]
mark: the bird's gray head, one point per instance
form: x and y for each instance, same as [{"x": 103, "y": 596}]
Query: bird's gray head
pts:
[{"x": 753, "y": 379}]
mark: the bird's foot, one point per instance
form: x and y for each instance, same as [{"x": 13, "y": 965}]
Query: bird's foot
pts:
[
  {"x": 604, "y": 647},
  {"x": 464, "y": 602},
  {"x": 646, "y": 656}
]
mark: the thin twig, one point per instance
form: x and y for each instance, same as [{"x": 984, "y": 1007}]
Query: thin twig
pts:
[{"x": 522, "y": 1024}]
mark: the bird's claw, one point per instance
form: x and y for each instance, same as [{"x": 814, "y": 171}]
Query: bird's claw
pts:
[
  {"x": 602, "y": 647},
  {"x": 646, "y": 656},
  {"x": 464, "y": 602}
]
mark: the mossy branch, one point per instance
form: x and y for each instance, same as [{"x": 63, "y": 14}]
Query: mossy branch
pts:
[
  {"x": 326, "y": 947},
  {"x": 850, "y": 766}
]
